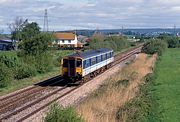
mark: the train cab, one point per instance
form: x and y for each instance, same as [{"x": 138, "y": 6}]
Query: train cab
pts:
[{"x": 72, "y": 67}]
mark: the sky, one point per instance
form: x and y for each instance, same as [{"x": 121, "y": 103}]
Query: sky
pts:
[{"x": 92, "y": 14}]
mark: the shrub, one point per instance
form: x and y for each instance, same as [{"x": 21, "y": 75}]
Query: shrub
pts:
[
  {"x": 43, "y": 63},
  {"x": 57, "y": 61},
  {"x": 10, "y": 59},
  {"x": 60, "y": 114},
  {"x": 5, "y": 75},
  {"x": 116, "y": 43},
  {"x": 25, "y": 71},
  {"x": 173, "y": 43},
  {"x": 154, "y": 46}
]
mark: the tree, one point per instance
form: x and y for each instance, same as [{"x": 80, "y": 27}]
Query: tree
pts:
[
  {"x": 34, "y": 47},
  {"x": 30, "y": 30},
  {"x": 37, "y": 44},
  {"x": 15, "y": 28}
]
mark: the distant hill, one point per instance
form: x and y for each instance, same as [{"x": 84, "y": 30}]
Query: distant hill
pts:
[{"x": 127, "y": 31}]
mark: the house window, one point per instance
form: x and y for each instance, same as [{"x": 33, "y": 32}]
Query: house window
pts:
[
  {"x": 69, "y": 41},
  {"x": 62, "y": 41}
]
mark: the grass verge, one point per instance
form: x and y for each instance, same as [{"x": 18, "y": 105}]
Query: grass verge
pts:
[{"x": 158, "y": 99}]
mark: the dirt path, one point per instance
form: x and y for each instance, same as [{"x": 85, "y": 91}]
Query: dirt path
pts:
[{"x": 102, "y": 106}]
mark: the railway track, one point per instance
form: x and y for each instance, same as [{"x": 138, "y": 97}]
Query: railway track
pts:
[
  {"x": 15, "y": 100},
  {"x": 13, "y": 109}
]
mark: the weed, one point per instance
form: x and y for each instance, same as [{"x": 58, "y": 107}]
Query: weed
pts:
[{"x": 60, "y": 114}]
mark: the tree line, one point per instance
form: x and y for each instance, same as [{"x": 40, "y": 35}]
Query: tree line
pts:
[{"x": 32, "y": 55}]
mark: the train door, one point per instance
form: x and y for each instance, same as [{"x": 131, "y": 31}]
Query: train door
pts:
[{"x": 72, "y": 67}]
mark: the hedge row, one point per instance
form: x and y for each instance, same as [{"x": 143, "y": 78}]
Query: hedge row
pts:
[
  {"x": 117, "y": 43},
  {"x": 15, "y": 67}
]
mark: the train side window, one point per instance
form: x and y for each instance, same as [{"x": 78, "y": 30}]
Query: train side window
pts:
[
  {"x": 98, "y": 59},
  {"x": 108, "y": 55},
  {"x": 65, "y": 62},
  {"x": 104, "y": 57},
  {"x": 93, "y": 61},
  {"x": 84, "y": 64}
]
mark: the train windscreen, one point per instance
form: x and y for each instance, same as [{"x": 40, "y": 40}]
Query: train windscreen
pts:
[
  {"x": 79, "y": 63},
  {"x": 65, "y": 62}
]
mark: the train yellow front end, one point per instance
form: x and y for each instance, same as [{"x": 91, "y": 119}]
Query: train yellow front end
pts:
[{"x": 72, "y": 67}]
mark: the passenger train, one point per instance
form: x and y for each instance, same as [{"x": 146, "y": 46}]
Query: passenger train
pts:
[{"x": 84, "y": 65}]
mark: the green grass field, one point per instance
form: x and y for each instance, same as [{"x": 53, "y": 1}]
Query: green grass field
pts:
[{"x": 167, "y": 85}]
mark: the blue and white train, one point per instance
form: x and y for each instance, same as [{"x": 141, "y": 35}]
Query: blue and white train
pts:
[{"x": 87, "y": 64}]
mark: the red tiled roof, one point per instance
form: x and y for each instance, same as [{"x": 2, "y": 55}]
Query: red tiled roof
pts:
[{"x": 64, "y": 36}]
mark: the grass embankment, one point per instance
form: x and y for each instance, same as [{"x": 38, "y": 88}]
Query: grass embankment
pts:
[
  {"x": 104, "y": 104},
  {"x": 19, "y": 84},
  {"x": 158, "y": 99}
]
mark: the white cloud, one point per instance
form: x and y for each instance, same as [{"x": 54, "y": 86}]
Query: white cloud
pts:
[{"x": 90, "y": 13}]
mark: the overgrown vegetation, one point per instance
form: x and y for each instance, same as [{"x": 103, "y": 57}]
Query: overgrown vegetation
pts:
[
  {"x": 158, "y": 99},
  {"x": 142, "y": 108},
  {"x": 33, "y": 56},
  {"x": 119, "y": 89},
  {"x": 172, "y": 41},
  {"x": 117, "y": 43},
  {"x": 5, "y": 75},
  {"x": 60, "y": 114},
  {"x": 154, "y": 46}
]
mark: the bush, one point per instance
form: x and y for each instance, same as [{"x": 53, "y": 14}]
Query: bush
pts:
[
  {"x": 117, "y": 43},
  {"x": 60, "y": 114},
  {"x": 57, "y": 61},
  {"x": 5, "y": 75},
  {"x": 43, "y": 63},
  {"x": 25, "y": 71},
  {"x": 154, "y": 46},
  {"x": 10, "y": 59},
  {"x": 173, "y": 43}
]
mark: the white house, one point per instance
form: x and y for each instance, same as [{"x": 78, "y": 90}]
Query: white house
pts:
[{"x": 67, "y": 39}]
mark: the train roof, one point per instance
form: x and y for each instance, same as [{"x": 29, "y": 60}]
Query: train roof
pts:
[{"x": 90, "y": 53}]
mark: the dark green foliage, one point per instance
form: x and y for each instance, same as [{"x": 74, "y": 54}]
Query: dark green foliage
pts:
[
  {"x": 154, "y": 46},
  {"x": 60, "y": 114},
  {"x": 36, "y": 45},
  {"x": 173, "y": 43},
  {"x": 30, "y": 30},
  {"x": 43, "y": 63},
  {"x": 24, "y": 71},
  {"x": 57, "y": 61},
  {"x": 116, "y": 43},
  {"x": 5, "y": 75},
  {"x": 10, "y": 59}
]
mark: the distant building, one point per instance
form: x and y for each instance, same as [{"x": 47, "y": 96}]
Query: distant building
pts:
[{"x": 67, "y": 40}]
